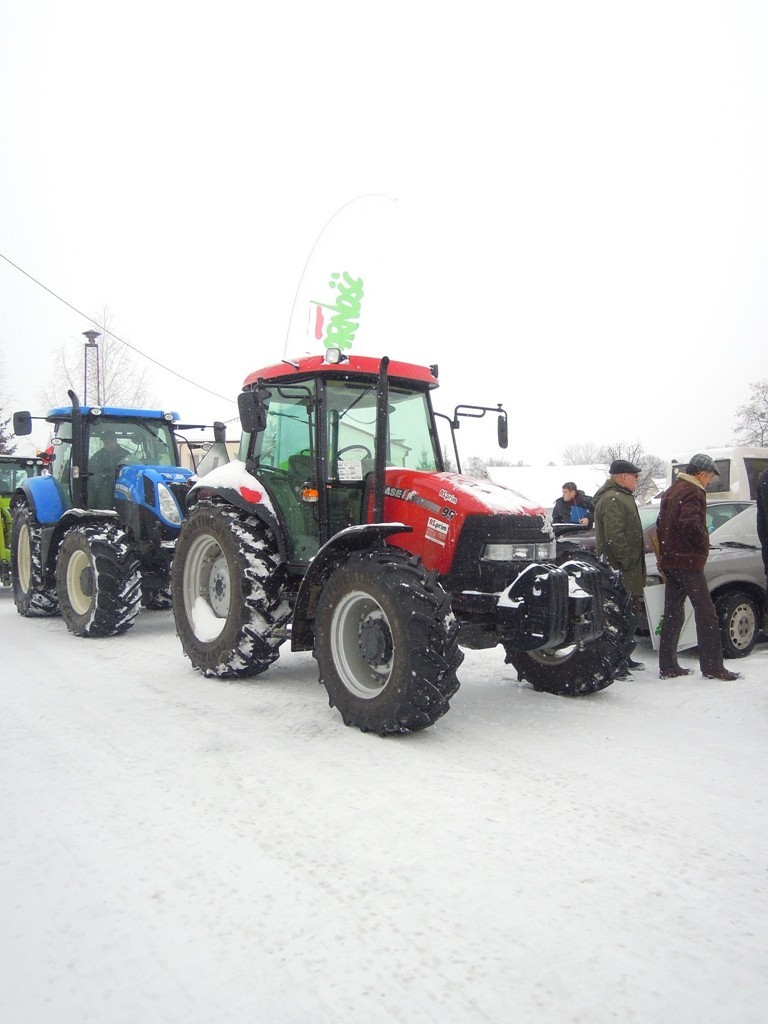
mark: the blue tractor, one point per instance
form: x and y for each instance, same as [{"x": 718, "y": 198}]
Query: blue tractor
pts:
[{"x": 94, "y": 538}]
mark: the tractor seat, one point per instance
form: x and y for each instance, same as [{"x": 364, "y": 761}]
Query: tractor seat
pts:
[{"x": 300, "y": 466}]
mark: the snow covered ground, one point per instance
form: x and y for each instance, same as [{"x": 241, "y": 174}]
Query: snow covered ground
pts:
[{"x": 179, "y": 849}]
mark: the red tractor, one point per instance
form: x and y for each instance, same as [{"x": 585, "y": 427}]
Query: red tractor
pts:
[{"x": 339, "y": 529}]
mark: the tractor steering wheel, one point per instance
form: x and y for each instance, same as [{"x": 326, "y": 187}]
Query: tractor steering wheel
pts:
[{"x": 352, "y": 447}]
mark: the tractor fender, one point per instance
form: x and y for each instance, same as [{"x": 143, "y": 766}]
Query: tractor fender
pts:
[
  {"x": 44, "y": 496},
  {"x": 52, "y": 533},
  {"x": 232, "y": 484},
  {"x": 355, "y": 538}
]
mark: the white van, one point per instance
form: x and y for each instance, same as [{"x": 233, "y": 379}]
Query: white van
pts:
[{"x": 739, "y": 469}]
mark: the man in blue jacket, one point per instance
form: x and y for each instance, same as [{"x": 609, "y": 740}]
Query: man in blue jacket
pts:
[{"x": 574, "y": 506}]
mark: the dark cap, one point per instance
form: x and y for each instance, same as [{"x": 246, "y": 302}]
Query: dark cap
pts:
[
  {"x": 702, "y": 464},
  {"x": 619, "y": 466}
]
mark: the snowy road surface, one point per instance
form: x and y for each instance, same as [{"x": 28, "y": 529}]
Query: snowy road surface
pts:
[{"x": 180, "y": 849}]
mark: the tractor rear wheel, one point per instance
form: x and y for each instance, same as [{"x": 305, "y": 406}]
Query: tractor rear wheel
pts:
[
  {"x": 228, "y": 587},
  {"x": 386, "y": 643},
  {"x": 32, "y": 595},
  {"x": 576, "y": 672},
  {"x": 97, "y": 580}
]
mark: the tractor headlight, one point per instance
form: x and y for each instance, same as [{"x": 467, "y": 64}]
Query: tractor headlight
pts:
[
  {"x": 522, "y": 552},
  {"x": 168, "y": 508}
]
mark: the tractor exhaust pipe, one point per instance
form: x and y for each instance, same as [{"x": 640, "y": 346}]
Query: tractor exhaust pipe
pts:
[{"x": 380, "y": 461}]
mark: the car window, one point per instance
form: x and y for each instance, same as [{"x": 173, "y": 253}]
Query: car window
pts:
[
  {"x": 721, "y": 513},
  {"x": 648, "y": 515},
  {"x": 741, "y": 528}
]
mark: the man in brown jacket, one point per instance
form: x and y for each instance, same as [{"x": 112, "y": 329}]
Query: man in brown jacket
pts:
[{"x": 683, "y": 552}]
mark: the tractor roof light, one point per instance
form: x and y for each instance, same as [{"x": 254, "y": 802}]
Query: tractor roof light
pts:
[{"x": 333, "y": 355}]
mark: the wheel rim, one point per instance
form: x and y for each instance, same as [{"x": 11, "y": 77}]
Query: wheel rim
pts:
[
  {"x": 207, "y": 588},
  {"x": 24, "y": 559},
  {"x": 361, "y": 645},
  {"x": 741, "y": 626},
  {"x": 80, "y": 582},
  {"x": 556, "y": 657}
]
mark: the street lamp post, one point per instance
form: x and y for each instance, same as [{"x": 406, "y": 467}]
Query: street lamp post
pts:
[{"x": 90, "y": 345}]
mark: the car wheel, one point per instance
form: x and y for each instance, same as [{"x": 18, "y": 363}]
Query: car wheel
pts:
[{"x": 739, "y": 623}]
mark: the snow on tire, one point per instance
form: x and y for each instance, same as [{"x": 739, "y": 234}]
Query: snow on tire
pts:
[
  {"x": 228, "y": 587},
  {"x": 97, "y": 580},
  {"x": 576, "y": 672},
  {"x": 386, "y": 643},
  {"x": 32, "y": 595}
]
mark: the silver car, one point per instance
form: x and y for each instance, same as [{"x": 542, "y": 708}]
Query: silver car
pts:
[{"x": 736, "y": 578}]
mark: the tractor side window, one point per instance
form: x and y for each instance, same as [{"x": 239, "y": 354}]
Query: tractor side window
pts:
[
  {"x": 281, "y": 453},
  {"x": 63, "y": 461},
  {"x": 287, "y": 433},
  {"x": 411, "y": 443}
]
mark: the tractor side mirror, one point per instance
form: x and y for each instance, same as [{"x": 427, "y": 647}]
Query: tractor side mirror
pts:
[
  {"x": 22, "y": 423},
  {"x": 253, "y": 415},
  {"x": 503, "y": 431},
  {"x": 219, "y": 432}
]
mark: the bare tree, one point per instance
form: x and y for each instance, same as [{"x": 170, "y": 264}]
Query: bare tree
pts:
[
  {"x": 651, "y": 466},
  {"x": 752, "y": 417},
  {"x": 120, "y": 382},
  {"x": 6, "y": 448},
  {"x": 475, "y": 465},
  {"x": 585, "y": 453}
]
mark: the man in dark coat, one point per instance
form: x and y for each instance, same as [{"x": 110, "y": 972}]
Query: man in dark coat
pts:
[
  {"x": 574, "y": 506},
  {"x": 762, "y": 516},
  {"x": 619, "y": 532},
  {"x": 683, "y": 552}
]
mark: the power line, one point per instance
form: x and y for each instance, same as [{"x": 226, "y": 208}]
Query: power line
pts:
[{"x": 112, "y": 334}]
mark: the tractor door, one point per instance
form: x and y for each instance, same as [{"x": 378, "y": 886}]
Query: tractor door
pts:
[{"x": 284, "y": 457}]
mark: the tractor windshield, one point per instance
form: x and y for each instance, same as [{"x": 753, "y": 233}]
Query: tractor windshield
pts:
[
  {"x": 135, "y": 441},
  {"x": 112, "y": 443},
  {"x": 352, "y": 430}
]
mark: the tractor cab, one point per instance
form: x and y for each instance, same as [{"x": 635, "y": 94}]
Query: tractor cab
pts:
[
  {"x": 15, "y": 469},
  {"x": 310, "y": 439},
  {"x": 87, "y": 461}
]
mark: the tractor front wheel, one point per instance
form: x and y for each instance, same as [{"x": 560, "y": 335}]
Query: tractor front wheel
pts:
[
  {"x": 97, "y": 580},
  {"x": 386, "y": 643},
  {"x": 228, "y": 587},
  {"x": 32, "y": 594}
]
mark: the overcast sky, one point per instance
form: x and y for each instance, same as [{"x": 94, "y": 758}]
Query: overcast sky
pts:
[{"x": 583, "y": 189}]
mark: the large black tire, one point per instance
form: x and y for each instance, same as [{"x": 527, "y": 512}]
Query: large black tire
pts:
[
  {"x": 386, "y": 643},
  {"x": 571, "y": 672},
  {"x": 156, "y": 590},
  {"x": 97, "y": 580},
  {"x": 228, "y": 585},
  {"x": 32, "y": 594},
  {"x": 156, "y": 599},
  {"x": 739, "y": 623}
]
